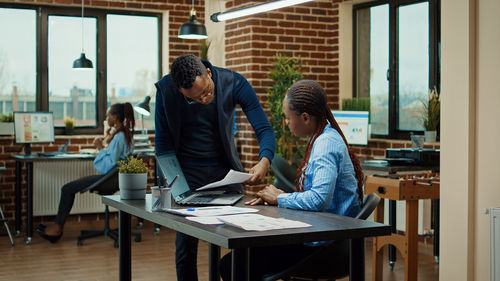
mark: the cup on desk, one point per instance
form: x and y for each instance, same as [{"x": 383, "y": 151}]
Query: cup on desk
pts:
[{"x": 160, "y": 198}]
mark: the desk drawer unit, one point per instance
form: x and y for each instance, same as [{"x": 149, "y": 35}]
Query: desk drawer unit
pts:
[{"x": 48, "y": 179}]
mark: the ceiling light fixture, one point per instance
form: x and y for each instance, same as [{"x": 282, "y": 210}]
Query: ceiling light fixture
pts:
[
  {"x": 82, "y": 62},
  {"x": 193, "y": 29},
  {"x": 259, "y": 8}
]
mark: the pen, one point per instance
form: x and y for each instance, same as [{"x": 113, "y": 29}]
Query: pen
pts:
[{"x": 173, "y": 181}]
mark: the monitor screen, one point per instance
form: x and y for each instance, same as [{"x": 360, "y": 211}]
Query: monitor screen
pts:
[
  {"x": 33, "y": 127},
  {"x": 354, "y": 125}
]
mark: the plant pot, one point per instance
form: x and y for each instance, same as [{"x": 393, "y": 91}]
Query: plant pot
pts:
[
  {"x": 6, "y": 128},
  {"x": 430, "y": 136},
  {"x": 132, "y": 186}
]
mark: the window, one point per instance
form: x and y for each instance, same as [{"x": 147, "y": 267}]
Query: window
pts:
[
  {"x": 396, "y": 62},
  {"x": 123, "y": 46},
  {"x": 17, "y": 60}
]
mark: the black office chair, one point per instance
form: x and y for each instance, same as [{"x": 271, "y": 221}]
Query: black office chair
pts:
[
  {"x": 285, "y": 174},
  {"x": 336, "y": 253},
  {"x": 108, "y": 185}
]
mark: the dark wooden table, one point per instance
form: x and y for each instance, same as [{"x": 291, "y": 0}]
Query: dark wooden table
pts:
[{"x": 325, "y": 226}]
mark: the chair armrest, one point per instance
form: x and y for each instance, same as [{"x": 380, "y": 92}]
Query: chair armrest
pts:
[{"x": 110, "y": 174}]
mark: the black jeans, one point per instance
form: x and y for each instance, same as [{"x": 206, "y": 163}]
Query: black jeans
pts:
[
  {"x": 186, "y": 247},
  {"x": 68, "y": 192}
]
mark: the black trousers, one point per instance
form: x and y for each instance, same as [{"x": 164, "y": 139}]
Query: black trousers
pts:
[
  {"x": 265, "y": 260},
  {"x": 186, "y": 247},
  {"x": 68, "y": 192}
]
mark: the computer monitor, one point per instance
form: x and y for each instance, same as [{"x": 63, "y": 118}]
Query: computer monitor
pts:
[
  {"x": 33, "y": 127},
  {"x": 354, "y": 125}
]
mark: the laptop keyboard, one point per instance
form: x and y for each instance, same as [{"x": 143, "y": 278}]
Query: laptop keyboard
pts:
[{"x": 200, "y": 199}]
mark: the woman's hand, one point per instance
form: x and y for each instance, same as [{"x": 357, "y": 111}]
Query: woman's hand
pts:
[
  {"x": 259, "y": 171},
  {"x": 268, "y": 195},
  {"x": 98, "y": 142}
]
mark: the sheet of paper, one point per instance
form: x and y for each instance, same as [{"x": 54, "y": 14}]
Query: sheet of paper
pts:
[
  {"x": 206, "y": 220},
  {"x": 211, "y": 211},
  {"x": 255, "y": 222},
  {"x": 231, "y": 178}
]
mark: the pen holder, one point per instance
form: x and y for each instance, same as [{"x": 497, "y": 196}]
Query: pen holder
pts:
[{"x": 160, "y": 198}]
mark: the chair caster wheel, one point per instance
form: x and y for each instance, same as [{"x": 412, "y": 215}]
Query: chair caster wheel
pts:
[
  {"x": 115, "y": 244},
  {"x": 27, "y": 241},
  {"x": 79, "y": 242},
  {"x": 138, "y": 238},
  {"x": 391, "y": 265}
]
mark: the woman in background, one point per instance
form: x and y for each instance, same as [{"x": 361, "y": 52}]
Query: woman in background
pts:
[
  {"x": 329, "y": 178},
  {"x": 119, "y": 137}
]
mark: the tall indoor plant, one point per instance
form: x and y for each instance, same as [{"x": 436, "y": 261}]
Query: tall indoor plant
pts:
[
  {"x": 132, "y": 178},
  {"x": 284, "y": 73},
  {"x": 431, "y": 115}
]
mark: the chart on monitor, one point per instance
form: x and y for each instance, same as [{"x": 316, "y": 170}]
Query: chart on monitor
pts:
[
  {"x": 354, "y": 125},
  {"x": 33, "y": 127}
]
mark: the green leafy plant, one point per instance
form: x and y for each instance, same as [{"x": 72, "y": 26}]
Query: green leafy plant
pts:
[
  {"x": 7, "y": 118},
  {"x": 284, "y": 73},
  {"x": 431, "y": 111},
  {"x": 356, "y": 104},
  {"x": 132, "y": 165},
  {"x": 69, "y": 123},
  {"x": 204, "y": 46}
]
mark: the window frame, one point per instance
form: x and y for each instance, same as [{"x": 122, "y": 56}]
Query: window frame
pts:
[
  {"x": 434, "y": 59},
  {"x": 42, "y": 85}
]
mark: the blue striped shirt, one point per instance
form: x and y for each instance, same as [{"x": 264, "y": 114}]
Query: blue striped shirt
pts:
[
  {"x": 330, "y": 180},
  {"x": 116, "y": 150}
]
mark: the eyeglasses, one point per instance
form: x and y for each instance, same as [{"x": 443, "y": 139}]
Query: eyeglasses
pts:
[{"x": 208, "y": 93}]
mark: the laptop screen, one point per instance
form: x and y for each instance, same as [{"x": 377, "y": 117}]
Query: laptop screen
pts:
[{"x": 170, "y": 168}]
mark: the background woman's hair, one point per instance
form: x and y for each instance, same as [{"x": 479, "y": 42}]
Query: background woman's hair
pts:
[
  {"x": 125, "y": 114},
  {"x": 185, "y": 69},
  {"x": 308, "y": 96}
]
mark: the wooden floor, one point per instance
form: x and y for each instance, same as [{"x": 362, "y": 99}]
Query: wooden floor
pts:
[{"x": 152, "y": 259}]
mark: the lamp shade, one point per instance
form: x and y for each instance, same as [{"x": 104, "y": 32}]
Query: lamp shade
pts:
[
  {"x": 143, "y": 107},
  {"x": 193, "y": 29},
  {"x": 82, "y": 62}
]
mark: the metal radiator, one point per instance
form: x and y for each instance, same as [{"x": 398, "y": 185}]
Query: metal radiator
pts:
[
  {"x": 494, "y": 244},
  {"x": 48, "y": 179}
]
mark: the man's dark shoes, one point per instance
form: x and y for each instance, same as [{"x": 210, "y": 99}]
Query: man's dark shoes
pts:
[{"x": 51, "y": 238}]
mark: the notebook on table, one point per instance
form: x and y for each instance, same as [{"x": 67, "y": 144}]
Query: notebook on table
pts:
[{"x": 180, "y": 191}]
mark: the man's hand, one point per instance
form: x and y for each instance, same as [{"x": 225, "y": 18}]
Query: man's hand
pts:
[
  {"x": 268, "y": 195},
  {"x": 259, "y": 171}
]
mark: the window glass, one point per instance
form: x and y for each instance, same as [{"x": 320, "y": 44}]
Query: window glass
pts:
[
  {"x": 17, "y": 60},
  {"x": 132, "y": 62},
  {"x": 372, "y": 63},
  {"x": 72, "y": 92},
  {"x": 413, "y": 54}
]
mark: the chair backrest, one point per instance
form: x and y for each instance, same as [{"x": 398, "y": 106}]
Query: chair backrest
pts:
[
  {"x": 106, "y": 185},
  {"x": 370, "y": 202},
  {"x": 285, "y": 174}
]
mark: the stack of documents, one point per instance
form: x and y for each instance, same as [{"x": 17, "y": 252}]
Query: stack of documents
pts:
[{"x": 236, "y": 216}]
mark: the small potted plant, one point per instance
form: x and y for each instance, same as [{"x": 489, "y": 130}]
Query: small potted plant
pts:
[
  {"x": 69, "y": 125},
  {"x": 132, "y": 178},
  {"x": 431, "y": 115},
  {"x": 6, "y": 124}
]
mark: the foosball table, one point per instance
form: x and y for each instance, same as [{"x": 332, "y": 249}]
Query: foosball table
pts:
[{"x": 411, "y": 188}]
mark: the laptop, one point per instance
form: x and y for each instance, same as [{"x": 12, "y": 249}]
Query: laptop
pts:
[{"x": 182, "y": 194}]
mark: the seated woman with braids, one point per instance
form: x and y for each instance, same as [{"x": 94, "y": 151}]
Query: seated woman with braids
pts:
[
  {"x": 329, "y": 179},
  {"x": 119, "y": 139}
]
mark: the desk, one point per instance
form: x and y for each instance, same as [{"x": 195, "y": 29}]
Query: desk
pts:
[
  {"x": 325, "y": 226},
  {"x": 29, "y": 159}
]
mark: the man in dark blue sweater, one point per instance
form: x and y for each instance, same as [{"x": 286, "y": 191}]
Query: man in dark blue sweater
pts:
[{"x": 194, "y": 117}]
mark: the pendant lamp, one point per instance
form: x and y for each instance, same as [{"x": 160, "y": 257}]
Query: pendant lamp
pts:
[
  {"x": 82, "y": 62},
  {"x": 193, "y": 29}
]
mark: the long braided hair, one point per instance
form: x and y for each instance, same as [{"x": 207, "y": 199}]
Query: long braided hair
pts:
[
  {"x": 125, "y": 114},
  {"x": 309, "y": 97}
]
